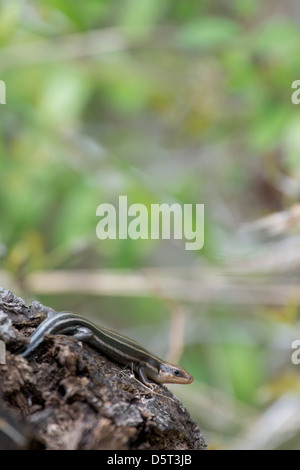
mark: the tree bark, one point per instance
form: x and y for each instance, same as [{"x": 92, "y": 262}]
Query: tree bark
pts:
[{"x": 69, "y": 396}]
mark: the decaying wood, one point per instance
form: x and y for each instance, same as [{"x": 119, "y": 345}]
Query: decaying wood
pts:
[{"x": 69, "y": 396}]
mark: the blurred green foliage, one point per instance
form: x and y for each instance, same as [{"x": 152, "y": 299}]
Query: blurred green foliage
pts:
[{"x": 169, "y": 101}]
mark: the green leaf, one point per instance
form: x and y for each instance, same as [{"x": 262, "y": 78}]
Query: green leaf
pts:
[
  {"x": 208, "y": 32},
  {"x": 275, "y": 38},
  {"x": 63, "y": 96},
  {"x": 267, "y": 127},
  {"x": 139, "y": 17},
  {"x": 291, "y": 144}
]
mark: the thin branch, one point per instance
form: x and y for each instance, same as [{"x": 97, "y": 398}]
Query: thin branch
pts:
[
  {"x": 62, "y": 48},
  {"x": 200, "y": 286}
]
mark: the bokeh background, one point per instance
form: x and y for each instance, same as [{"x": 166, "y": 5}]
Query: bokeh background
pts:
[{"x": 163, "y": 101}]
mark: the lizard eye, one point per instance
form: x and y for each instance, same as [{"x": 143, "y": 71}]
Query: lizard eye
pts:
[{"x": 176, "y": 372}]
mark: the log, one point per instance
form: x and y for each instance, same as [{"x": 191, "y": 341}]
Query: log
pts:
[{"x": 69, "y": 396}]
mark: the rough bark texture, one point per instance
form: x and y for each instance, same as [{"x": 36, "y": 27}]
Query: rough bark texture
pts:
[{"x": 69, "y": 396}]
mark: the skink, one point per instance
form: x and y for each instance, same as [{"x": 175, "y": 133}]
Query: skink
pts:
[{"x": 115, "y": 346}]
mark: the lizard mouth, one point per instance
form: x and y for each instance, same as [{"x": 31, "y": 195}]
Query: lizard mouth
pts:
[{"x": 170, "y": 374}]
